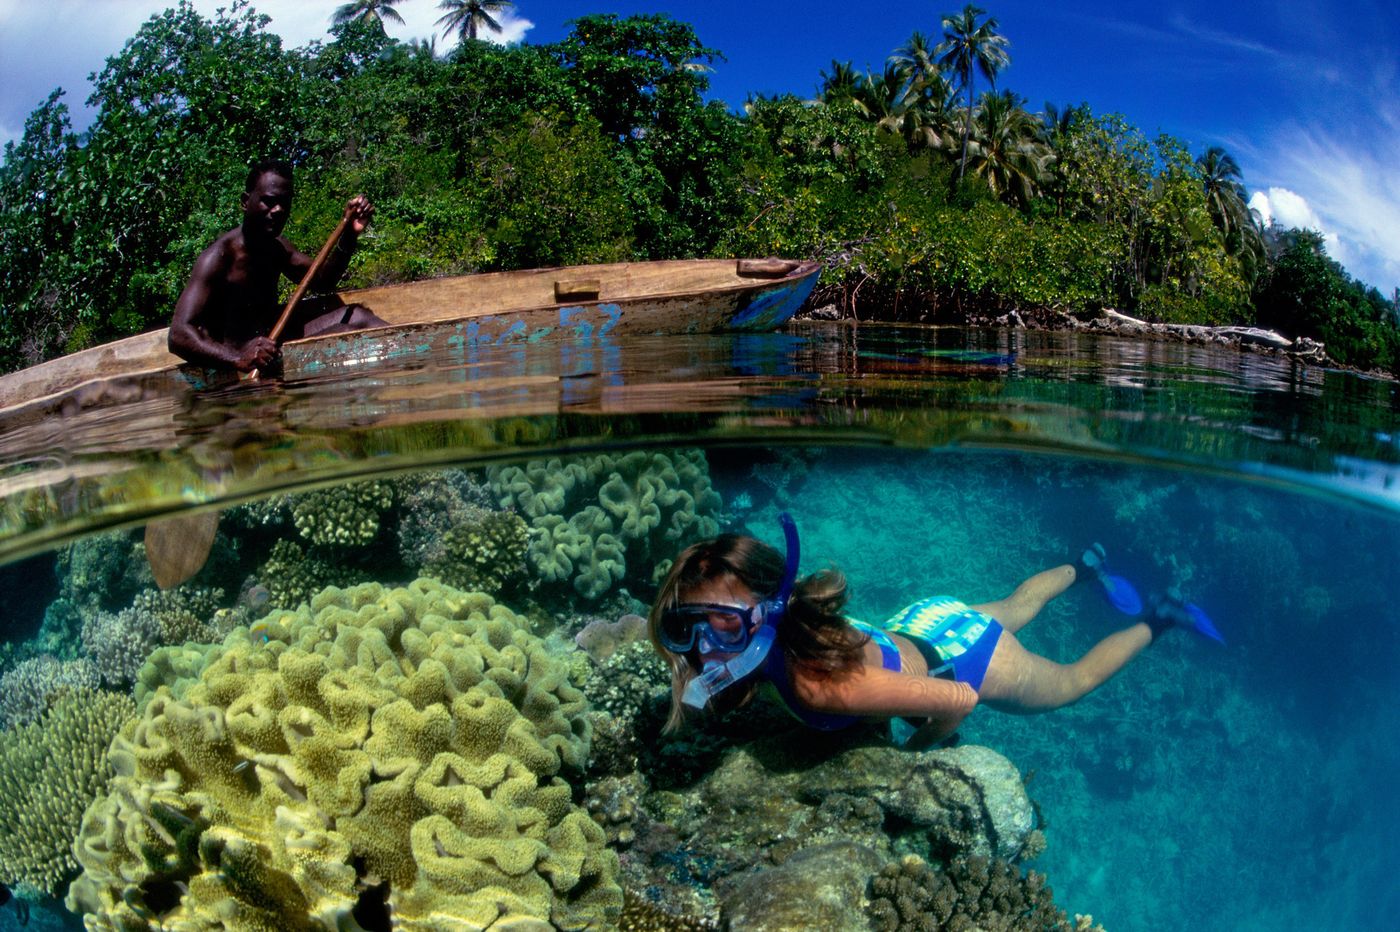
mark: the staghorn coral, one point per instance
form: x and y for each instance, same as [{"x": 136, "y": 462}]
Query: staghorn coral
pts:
[
  {"x": 119, "y": 644},
  {"x": 404, "y": 740},
  {"x": 485, "y": 555},
  {"x": 595, "y": 519},
  {"x": 30, "y": 687},
  {"x": 49, "y": 772},
  {"x": 972, "y": 893},
  {"x": 344, "y": 515}
]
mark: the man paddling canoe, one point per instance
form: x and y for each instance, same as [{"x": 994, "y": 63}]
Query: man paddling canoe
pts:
[{"x": 227, "y": 312}]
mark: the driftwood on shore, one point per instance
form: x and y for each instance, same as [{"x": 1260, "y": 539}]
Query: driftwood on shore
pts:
[
  {"x": 1301, "y": 348},
  {"x": 1114, "y": 322}
]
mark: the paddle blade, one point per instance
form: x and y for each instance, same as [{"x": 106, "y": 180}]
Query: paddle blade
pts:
[
  {"x": 1121, "y": 594},
  {"x": 177, "y": 548},
  {"x": 1202, "y": 623}
]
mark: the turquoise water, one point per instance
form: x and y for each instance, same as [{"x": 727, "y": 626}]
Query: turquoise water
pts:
[{"x": 1236, "y": 787}]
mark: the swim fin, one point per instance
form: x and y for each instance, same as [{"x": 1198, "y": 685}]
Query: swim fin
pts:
[
  {"x": 1202, "y": 624},
  {"x": 1120, "y": 593},
  {"x": 1170, "y": 610}
]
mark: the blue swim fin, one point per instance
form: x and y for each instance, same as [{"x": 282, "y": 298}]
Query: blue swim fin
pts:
[
  {"x": 1121, "y": 594},
  {"x": 1202, "y": 624}
]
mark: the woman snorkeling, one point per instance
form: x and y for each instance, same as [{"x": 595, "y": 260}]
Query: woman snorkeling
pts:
[{"x": 732, "y": 617}]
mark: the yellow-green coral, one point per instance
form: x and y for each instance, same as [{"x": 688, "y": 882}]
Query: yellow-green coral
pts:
[
  {"x": 596, "y": 518},
  {"x": 49, "y": 772},
  {"x": 487, "y": 554},
  {"x": 409, "y": 736},
  {"x": 346, "y": 515}
]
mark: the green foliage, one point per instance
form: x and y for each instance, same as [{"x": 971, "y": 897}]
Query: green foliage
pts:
[
  {"x": 923, "y": 200},
  {"x": 553, "y": 196},
  {"x": 1308, "y": 294}
]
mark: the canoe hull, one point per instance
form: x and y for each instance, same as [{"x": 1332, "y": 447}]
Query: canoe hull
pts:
[{"x": 458, "y": 314}]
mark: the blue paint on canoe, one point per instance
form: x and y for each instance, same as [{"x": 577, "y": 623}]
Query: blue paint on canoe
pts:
[{"x": 773, "y": 308}]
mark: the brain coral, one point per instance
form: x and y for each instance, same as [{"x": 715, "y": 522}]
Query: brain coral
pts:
[
  {"x": 596, "y": 518},
  {"x": 49, "y": 772},
  {"x": 400, "y": 745}
]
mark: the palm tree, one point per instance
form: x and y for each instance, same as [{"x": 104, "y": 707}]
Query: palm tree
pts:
[
  {"x": 1008, "y": 152},
  {"x": 967, "y": 48},
  {"x": 927, "y": 97},
  {"x": 468, "y": 17},
  {"x": 839, "y": 83},
  {"x": 367, "y": 11},
  {"x": 1229, "y": 208},
  {"x": 1225, "y": 193}
]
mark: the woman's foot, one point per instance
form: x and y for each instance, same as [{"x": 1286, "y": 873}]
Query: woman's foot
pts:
[{"x": 1120, "y": 593}]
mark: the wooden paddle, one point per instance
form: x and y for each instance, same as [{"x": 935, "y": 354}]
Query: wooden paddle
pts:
[
  {"x": 178, "y": 547},
  {"x": 316, "y": 264}
]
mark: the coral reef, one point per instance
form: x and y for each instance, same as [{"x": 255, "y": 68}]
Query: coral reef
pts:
[
  {"x": 600, "y": 638},
  {"x": 613, "y": 803},
  {"x": 697, "y": 846},
  {"x": 185, "y": 613},
  {"x": 292, "y": 576},
  {"x": 820, "y": 887},
  {"x": 343, "y": 515},
  {"x": 629, "y": 692},
  {"x": 485, "y": 555},
  {"x": 49, "y": 772},
  {"x": 638, "y": 915},
  {"x": 594, "y": 519},
  {"x": 972, "y": 893},
  {"x": 28, "y": 688},
  {"x": 103, "y": 572},
  {"x": 433, "y": 503},
  {"x": 402, "y": 746},
  {"x": 119, "y": 644}
]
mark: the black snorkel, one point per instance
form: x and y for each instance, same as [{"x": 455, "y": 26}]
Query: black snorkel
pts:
[{"x": 720, "y": 675}]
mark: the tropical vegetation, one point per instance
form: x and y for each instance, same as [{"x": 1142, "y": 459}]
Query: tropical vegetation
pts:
[{"x": 930, "y": 191}]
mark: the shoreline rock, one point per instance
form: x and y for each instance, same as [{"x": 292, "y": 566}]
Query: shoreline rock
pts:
[{"x": 1115, "y": 323}]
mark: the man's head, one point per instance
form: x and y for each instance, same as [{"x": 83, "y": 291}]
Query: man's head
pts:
[{"x": 267, "y": 198}]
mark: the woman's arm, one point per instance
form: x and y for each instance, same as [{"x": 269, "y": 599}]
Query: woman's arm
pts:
[{"x": 886, "y": 693}]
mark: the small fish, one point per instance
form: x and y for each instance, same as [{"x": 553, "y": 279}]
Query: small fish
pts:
[
  {"x": 260, "y": 629},
  {"x": 255, "y": 597}
]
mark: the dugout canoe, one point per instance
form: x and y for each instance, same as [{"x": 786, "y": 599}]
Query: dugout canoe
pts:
[{"x": 593, "y": 305}]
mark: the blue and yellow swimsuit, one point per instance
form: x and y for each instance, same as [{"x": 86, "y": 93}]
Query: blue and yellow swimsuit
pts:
[{"x": 956, "y": 641}]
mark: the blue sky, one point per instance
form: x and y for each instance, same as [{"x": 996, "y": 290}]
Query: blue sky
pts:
[{"x": 1304, "y": 93}]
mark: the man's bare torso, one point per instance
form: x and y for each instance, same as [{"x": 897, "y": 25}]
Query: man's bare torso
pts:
[{"x": 243, "y": 299}]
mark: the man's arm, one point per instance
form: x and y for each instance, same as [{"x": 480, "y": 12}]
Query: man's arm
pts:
[
  {"x": 360, "y": 210},
  {"x": 189, "y": 339}
]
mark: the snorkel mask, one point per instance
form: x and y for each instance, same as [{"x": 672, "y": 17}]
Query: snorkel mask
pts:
[{"x": 750, "y": 647}]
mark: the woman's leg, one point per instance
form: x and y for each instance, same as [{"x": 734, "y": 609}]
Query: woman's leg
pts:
[
  {"x": 1025, "y": 683},
  {"x": 1030, "y": 597}
]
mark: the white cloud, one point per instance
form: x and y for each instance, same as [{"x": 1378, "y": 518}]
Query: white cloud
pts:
[{"x": 1352, "y": 195}]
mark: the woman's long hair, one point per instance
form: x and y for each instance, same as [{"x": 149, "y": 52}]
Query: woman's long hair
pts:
[{"x": 814, "y": 635}]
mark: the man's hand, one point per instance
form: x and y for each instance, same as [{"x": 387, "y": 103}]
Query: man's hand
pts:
[
  {"x": 257, "y": 353},
  {"x": 359, "y": 210}
]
